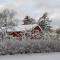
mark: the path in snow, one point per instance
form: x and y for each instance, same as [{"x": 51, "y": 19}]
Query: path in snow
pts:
[{"x": 41, "y": 56}]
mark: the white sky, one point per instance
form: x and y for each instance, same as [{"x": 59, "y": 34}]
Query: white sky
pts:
[{"x": 35, "y": 8}]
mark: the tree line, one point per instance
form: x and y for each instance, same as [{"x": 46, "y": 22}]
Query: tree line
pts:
[{"x": 7, "y": 18}]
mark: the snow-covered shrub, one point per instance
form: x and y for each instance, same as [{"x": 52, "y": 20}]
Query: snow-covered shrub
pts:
[{"x": 46, "y": 43}]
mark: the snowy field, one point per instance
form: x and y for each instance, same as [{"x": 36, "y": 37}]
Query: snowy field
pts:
[{"x": 41, "y": 56}]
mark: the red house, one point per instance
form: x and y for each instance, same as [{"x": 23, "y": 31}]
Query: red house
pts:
[{"x": 21, "y": 30}]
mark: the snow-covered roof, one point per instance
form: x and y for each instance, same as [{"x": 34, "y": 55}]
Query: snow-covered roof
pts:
[{"x": 20, "y": 28}]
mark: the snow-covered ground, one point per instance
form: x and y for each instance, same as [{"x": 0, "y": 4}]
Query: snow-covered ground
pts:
[{"x": 40, "y": 56}]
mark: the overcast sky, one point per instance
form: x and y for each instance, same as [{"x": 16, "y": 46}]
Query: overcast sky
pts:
[{"x": 35, "y": 8}]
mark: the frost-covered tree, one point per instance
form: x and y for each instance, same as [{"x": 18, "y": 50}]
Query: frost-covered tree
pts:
[
  {"x": 58, "y": 33},
  {"x": 27, "y": 20},
  {"x": 44, "y": 22},
  {"x": 7, "y": 19}
]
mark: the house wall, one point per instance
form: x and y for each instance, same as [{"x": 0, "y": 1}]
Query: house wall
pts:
[
  {"x": 16, "y": 34},
  {"x": 36, "y": 30}
]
